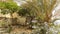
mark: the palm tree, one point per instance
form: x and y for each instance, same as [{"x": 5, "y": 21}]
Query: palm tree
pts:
[{"x": 40, "y": 9}]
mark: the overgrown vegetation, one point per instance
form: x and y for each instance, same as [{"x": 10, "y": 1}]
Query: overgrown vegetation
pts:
[{"x": 38, "y": 13}]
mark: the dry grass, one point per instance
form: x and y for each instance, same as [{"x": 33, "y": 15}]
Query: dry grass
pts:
[{"x": 21, "y": 30}]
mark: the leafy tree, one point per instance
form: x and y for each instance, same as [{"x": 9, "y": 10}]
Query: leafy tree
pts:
[{"x": 9, "y": 7}]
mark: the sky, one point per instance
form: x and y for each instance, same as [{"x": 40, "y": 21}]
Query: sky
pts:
[
  {"x": 57, "y": 22},
  {"x": 19, "y": 2}
]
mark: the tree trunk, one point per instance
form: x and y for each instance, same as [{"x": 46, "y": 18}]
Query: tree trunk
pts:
[{"x": 29, "y": 21}]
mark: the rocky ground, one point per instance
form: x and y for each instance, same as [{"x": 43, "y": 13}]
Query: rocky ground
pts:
[{"x": 15, "y": 30}]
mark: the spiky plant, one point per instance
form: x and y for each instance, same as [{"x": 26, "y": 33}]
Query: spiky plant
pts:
[{"x": 40, "y": 9}]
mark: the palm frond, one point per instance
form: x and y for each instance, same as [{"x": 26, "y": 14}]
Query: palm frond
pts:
[{"x": 40, "y": 8}]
